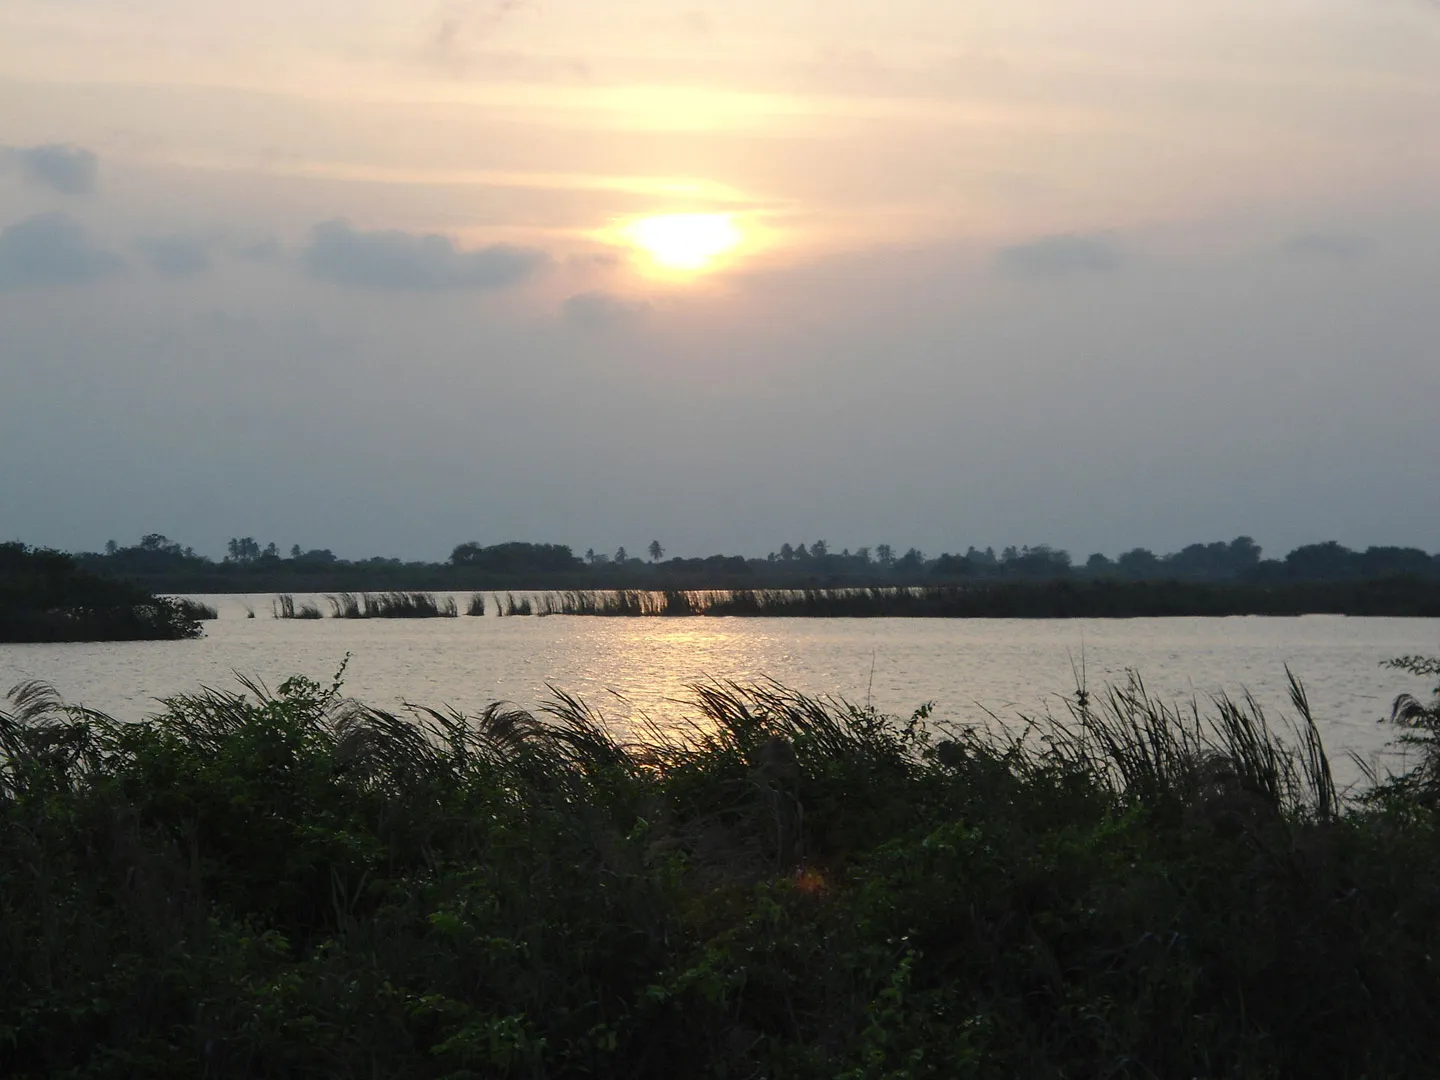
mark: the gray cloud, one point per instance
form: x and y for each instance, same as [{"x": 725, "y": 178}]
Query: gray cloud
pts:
[
  {"x": 601, "y": 310},
  {"x": 70, "y": 170},
  {"x": 1326, "y": 246},
  {"x": 265, "y": 250},
  {"x": 175, "y": 255},
  {"x": 1060, "y": 256},
  {"x": 391, "y": 259},
  {"x": 51, "y": 249}
]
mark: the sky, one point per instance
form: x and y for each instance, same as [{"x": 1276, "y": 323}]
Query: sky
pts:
[{"x": 386, "y": 276}]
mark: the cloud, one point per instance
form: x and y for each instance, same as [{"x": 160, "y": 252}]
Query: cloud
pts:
[
  {"x": 602, "y": 310},
  {"x": 391, "y": 259},
  {"x": 1326, "y": 246},
  {"x": 51, "y": 249},
  {"x": 70, "y": 170},
  {"x": 1060, "y": 256},
  {"x": 175, "y": 256},
  {"x": 264, "y": 250}
]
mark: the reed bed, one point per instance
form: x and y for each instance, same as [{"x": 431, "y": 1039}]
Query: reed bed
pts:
[
  {"x": 751, "y": 602},
  {"x": 392, "y": 605},
  {"x": 513, "y": 606},
  {"x": 789, "y": 886},
  {"x": 1003, "y": 599},
  {"x": 476, "y": 605},
  {"x": 284, "y": 607},
  {"x": 623, "y": 602}
]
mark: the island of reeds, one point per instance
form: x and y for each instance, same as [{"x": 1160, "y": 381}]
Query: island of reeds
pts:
[
  {"x": 46, "y": 596},
  {"x": 292, "y": 884}
]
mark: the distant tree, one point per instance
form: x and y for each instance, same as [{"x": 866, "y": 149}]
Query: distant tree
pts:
[
  {"x": 952, "y": 566},
  {"x": 295, "y": 551},
  {"x": 1099, "y": 565},
  {"x": 981, "y": 560},
  {"x": 621, "y": 556},
  {"x": 271, "y": 551},
  {"x": 319, "y": 556},
  {"x": 819, "y": 549},
  {"x": 111, "y": 547},
  {"x": 656, "y": 551},
  {"x": 800, "y": 552},
  {"x": 1041, "y": 561},
  {"x": 244, "y": 549},
  {"x": 1381, "y": 562},
  {"x": 515, "y": 558},
  {"x": 885, "y": 556},
  {"x": 1244, "y": 553},
  {"x": 787, "y": 552},
  {"x": 863, "y": 554},
  {"x": 590, "y": 556},
  {"x": 1321, "y": 562},
  {"x": 1138, "y": 563}
]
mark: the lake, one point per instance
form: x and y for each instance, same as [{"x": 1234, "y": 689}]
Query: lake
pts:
[{"x": 629, "y": 666}]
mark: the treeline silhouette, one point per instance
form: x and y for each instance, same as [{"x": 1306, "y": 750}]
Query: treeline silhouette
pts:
[{"x": 160, "y": 564}]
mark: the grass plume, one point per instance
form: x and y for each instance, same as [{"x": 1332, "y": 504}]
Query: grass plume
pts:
[{"x": 284, "y": 607}]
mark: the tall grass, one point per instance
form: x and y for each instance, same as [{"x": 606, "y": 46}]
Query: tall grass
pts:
[
  {"x": 512, "y": 606},
  {"x": 284, "y": 607},
  {"x": 393, "y": 605},
  {"x": 476, "y": 605},
  {"x": 196, "y": 609},
  {"x": 291, "y": 883}
]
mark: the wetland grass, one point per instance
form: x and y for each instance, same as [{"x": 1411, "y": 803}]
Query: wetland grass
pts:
[
  {"x": 790, "y": 886},
  {"x": 513, "y": 606},
  {"x": 284, "y": 607},
  {"x": 392, "y": 605}
]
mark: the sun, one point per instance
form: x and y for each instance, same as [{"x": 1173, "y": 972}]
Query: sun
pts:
[{"x": 685, "y": 243}]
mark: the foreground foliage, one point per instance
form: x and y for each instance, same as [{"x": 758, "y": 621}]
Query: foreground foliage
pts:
[{"x": 290, "y": 884}]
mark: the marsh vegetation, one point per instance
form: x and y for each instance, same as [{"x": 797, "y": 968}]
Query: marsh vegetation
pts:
[
  {"x": 392, "y": 605},
  {"x": 290, "y": 883}
]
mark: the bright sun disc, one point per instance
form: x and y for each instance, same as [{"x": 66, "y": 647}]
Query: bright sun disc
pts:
[{"x": 685, "y": 241}]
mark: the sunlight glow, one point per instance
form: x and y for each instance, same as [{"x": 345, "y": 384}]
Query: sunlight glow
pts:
[{"x": 685, "y": 242}]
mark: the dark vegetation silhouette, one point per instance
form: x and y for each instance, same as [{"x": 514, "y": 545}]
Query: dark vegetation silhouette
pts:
[
  {"x": 47, "y": 596},
  {"x": 292, "y": 884},
  {"x": 1012, "y": 600},
  {"x": 1042, "y": 582},
  {"x": 165, "y": 566}
]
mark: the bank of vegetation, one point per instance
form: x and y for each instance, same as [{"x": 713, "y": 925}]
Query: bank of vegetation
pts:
[
  {"x": 162, "y": 565},
  {"x": 1008, "y": 600},
  {"x": 290, "y": 884},
  {"x": 46, "y": 597}
]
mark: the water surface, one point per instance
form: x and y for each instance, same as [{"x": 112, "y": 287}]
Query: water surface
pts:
[{"x": 969, "y": 668}]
